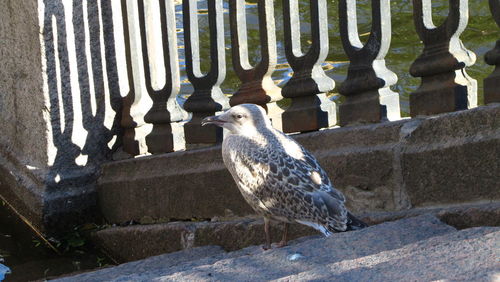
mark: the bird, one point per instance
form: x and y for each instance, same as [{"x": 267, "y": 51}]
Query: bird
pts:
[{"x": 278, "y": 177}]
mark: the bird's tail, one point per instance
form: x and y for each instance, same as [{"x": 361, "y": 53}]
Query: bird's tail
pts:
[{"x": 353, "y": 223}]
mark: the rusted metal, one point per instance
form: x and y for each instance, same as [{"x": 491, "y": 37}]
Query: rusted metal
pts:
[
  {"x": 310, "y": 109},
  {"x": 207, "y": 97},
  {"x": 492, "y": 57},
  {"x": 165, "y": 109},
  {"x": 445, "y": 86},
  {"x": 368, "y": 96}
]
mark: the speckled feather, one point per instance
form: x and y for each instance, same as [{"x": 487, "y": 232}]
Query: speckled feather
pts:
[{"x": 283, "y": 181}]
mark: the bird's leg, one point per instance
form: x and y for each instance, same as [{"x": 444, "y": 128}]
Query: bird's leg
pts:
[
  {"x": 284, "y": 240},
  {"x": 267, "y": 246}
]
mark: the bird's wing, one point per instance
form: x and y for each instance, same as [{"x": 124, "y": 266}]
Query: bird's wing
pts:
[
  {"x": 293, "y": 187},
  {"x": 307, "y": 181},
  {"x": 308, "y": 169}
]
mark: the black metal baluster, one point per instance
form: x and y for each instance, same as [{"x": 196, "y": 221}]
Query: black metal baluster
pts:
[
  {"x": 445, "y": 86},
  {"x": 310, "y": 109},
  {"x": 257, "y": 84},
  {"x": 368, "y": 96},
  {"x": 492, "y": 82},
  {"x": 207, "y": 97},
  {"x": 165, "y": 111}
]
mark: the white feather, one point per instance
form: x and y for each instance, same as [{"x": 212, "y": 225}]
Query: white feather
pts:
[{"x": 316, "y": 226}]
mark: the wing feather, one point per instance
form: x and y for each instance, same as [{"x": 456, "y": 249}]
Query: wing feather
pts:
[{"x": 280, "y": 184}]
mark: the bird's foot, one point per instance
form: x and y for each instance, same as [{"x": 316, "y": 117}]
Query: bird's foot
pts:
[
  {"x": 282, "y": 244},
  {"x": 266, "y": 247}
]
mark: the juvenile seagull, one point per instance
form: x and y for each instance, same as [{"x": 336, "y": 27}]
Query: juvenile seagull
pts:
[{"x": 278, "y": 178}]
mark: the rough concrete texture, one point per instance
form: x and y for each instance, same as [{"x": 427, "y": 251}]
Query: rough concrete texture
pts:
[
  {"x": 450, "y": 158},
  {"x": 462, "y": 216},
  {"x": 468, "y": 255},
  {"x": 152, "y": 263},
  {"x": 22, "y": 104},
  {"x": 199, "y": 186},
  {"x": 59, "y": 96},
  {"x": 454, "y": 159},
  {"x": 23, "y": 146},
  {"x": 140, "y": 241},
  {"x": 418, "y": 248}
]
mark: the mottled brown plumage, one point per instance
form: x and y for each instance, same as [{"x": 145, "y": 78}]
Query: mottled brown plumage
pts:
[{"x": 278, "y": 178}]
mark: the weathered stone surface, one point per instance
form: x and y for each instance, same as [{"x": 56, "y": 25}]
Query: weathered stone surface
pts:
[
  {"x": 180, "y": 185},
  {"x": 351, "y": 250},
  {"x": 22, "y": 111},
  {"x": 469, "y": 255},
  {"x": 141, "y": 241},
  {"x": 471, "y": 216},
  {"x": 453, "y": 158},
  {"x": 57, "y": 107},
  {"x": 152, "y": 263},
  {"x": 462, "y": 216}
]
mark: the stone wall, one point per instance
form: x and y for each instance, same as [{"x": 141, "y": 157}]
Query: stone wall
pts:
[
  {"x": 448, "y": 159},
  {"x": 60, "y": 92}
]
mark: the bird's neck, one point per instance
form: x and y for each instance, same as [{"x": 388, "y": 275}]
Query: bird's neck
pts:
[{"x": 254, "y": 133}]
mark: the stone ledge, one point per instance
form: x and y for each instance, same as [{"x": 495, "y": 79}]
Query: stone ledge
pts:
[
  {"x": 460, "y": 217},
  {"x": 445, "y": 159},
  {"x": 50, "y": 208},
  {"x": 453, "y": 158},
  {"x": 254, "y": 264},
  {"x": 140, "y": 241}
]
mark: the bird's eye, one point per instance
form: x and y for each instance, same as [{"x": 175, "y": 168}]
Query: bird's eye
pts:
[{"x": 239, "y": 116}]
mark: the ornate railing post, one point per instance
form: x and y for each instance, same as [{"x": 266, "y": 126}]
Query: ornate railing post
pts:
[
  {"x": 207, "y": 97},
  {"x": 257, "y": 85},
  {"x": 492, "y": 82},
  {"x": 445, "y": 86},
  {"x": 310, "y": 109},
  {"x": 135, "y": 104},
  {"x": 165, "y": 113},
  {"x": 368, "y": 96}
]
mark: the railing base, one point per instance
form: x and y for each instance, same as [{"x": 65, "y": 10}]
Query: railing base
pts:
[
  {"x": 443, "y": 93},
  {"x": 492, "y": 87},
  {"x": 197, "y": 134},
  {"x": 370, "y": 107},
  {"x": 309, "y": 113}
]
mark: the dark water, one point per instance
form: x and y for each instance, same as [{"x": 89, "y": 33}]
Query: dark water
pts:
[
  {"x": 479, "y": 37},
  {"x": 29, "y": 258}
]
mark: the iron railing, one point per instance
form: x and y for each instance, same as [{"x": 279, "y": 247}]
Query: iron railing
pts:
[{"x": 155, "y": 114}]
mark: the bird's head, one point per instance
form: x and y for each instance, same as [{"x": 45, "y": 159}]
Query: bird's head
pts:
[{"x": 241, "y": 119}]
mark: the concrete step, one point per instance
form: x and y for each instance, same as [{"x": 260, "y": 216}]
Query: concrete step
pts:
[
  {"x": 468, "y": 255},
  {"x": 135, "y": 242},
  {"x": 301, "y": 256}
]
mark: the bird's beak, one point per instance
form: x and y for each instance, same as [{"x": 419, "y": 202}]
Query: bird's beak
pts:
[{"x": 212, "y": 120}]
